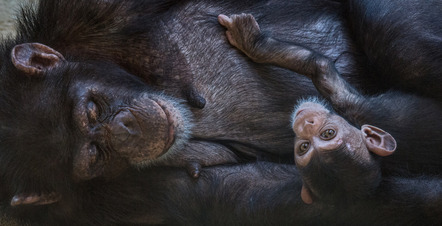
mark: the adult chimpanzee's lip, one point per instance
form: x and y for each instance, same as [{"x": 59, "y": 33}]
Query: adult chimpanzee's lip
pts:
[{"x": 171, "y": 130}]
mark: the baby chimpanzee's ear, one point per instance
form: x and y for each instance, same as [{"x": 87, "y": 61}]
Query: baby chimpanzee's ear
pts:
[
  {"x": 306, "y": 195},
  {"x": 378, "y": 141},
  {"x": 34, "y": 58}
]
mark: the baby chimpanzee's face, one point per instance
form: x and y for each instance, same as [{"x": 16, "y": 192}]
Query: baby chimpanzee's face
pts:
[
  {"x": 334, "y": 157},
  {"x": 319, "y": 130}
]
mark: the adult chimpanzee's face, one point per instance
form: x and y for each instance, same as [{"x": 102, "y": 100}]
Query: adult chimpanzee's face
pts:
[
  {"x": 87, "y": 120},
  {"x": 117, "y": 116},
  {"x": 130, "y": 122}
]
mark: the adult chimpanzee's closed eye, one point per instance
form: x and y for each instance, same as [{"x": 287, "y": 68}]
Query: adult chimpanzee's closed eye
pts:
[{"x": 332, "y": 151}]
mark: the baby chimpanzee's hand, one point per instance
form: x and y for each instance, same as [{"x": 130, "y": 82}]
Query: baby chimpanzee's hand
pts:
[{"x": 244, "y": 33}]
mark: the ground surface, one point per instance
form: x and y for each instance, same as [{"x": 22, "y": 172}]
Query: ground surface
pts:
[{"x": 8, "y": 9}]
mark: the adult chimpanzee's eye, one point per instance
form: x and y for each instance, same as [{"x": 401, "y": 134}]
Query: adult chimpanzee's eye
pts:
[
  {"x": 93, "y": 153},
  {"x": 328, "y": 134},
  {"x": 92, "y": 111},
  {"x": 303, "y": 148}
]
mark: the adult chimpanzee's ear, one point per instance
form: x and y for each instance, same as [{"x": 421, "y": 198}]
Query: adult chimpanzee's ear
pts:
[
  {"x": 35, "y": 199},
  {"x": 87, "y": 164},
  {"x": 378, "y": 141},
  {"x": 34, "y": 58},
  {"x": 306, "y": 195}
]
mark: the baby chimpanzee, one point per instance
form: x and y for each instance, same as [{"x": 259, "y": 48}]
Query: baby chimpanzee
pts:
[{"x": 337, "y": 148}]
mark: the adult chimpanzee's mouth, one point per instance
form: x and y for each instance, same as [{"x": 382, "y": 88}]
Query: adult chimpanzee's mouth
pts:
[
  {"x": 171, "y": 128},
  {"x": 162, "y": 129}
]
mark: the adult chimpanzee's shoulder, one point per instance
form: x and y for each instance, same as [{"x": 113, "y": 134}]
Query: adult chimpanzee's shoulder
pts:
[
  {"x": 54, "y": 19},
  {"x": 154, "y": 6},
  {"x": 83, "y": 20}
]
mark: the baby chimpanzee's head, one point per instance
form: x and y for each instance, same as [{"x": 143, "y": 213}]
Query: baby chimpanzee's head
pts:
[{"x": 334, "y": 157}]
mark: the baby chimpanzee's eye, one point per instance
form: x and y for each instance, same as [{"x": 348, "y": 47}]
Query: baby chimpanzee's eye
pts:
[
  {"x": 328, "y": 134},
  {"x": 303, "y": 148}
]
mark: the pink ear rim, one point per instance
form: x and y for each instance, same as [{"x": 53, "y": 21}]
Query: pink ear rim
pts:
[
  {"x": 378, "y": 141},
  {"x": 34, "y": 58},
  {"x": 306, "y": 195}
]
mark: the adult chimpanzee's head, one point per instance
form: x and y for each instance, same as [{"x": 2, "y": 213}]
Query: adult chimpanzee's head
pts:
[
  {"x": 334, "y": 157},
  {"x": 63, "y": 122}
]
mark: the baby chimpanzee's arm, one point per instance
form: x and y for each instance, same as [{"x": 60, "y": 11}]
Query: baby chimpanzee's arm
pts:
[{"x": 244, "y": 33}]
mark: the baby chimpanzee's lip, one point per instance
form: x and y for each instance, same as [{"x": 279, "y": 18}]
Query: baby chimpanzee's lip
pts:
[{"x": 171, "y": 129}]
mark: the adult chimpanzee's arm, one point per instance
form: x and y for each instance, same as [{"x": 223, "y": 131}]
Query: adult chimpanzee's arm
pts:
[
  {"x": 399, "y": 201},
  {"x": 243, "y": 32},
  {"x": 268, "y": 194},
  {"x": 402, "y": 41},
  {"x": 251, "y": 194}
]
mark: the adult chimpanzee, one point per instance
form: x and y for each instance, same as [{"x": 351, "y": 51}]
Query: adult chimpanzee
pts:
[
  {"x": 74, "y": 107},
  {"x": 333, "y": 153},
  {"x": 81, "y": 81}
]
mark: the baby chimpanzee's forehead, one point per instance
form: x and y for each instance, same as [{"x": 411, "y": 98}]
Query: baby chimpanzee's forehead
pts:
[{"x": 313, "y": 100}]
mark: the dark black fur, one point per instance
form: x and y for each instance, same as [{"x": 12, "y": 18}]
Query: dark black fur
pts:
[
  {"x": 415, "y": 122},
  {"x": 412, "y": 35},
  {"x": 404, "y": 53},
  {"x": 337, "y": 178}
]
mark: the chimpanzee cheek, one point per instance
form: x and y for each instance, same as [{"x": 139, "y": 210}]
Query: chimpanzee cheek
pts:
[{"x": 354, "y": 141}]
